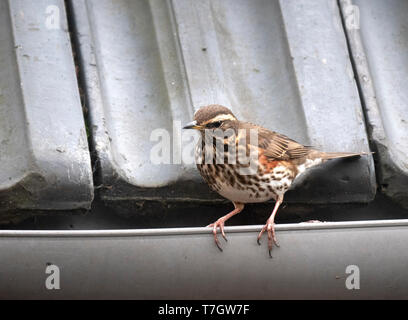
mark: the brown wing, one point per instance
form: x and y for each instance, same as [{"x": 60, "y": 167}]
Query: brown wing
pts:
[{"x": 277, "y": 146}]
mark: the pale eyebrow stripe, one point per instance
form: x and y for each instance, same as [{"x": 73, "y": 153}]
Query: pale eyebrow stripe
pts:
[{"x": 221, "y": 117}]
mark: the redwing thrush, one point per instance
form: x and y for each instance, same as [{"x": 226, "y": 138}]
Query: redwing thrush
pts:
[{"x": 280, "y": 160}]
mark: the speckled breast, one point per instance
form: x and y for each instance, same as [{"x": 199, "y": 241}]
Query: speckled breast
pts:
[{"x": 264, "y": 184}]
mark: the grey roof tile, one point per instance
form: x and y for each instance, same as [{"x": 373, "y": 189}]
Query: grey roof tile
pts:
[
  {"x": 380, "y": 53},
  {"x": 44, "y": 157},
  {"x": 283, "y": 65}
]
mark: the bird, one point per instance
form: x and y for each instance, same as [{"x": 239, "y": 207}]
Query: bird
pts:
[{"x": 277, "y": 162}]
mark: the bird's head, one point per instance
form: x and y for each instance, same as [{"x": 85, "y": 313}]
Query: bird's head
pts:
[{"x": 212, "y": 117}]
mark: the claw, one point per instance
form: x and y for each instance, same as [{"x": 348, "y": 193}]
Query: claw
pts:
[
  {"x": 260, "y": 235},
  {"x": 271, "y": 234},
  {"x": 219, "y": 223},
  {"x": 270, "y": 228},
  {"x": 217, "y": 242}
]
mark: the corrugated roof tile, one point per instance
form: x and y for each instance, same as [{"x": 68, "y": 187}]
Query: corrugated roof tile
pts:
[
  {"x": 283, "y": 65},
  {"x": 378, "y": 40},
  {"x": 44, "y": 156}
]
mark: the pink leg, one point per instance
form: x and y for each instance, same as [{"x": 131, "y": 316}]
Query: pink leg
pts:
[
  {"x": 270, "y": 227},
  {"x": 220, "y": 222}
]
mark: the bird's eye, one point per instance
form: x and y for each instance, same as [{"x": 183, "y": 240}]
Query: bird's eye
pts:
[{"x": 215, "y": 124}]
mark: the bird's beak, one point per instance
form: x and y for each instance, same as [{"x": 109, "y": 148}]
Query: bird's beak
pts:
[{"x": 192, "y": 125}]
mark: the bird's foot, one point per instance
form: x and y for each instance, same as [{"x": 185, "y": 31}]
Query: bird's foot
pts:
[
  {"x": 270, "y": 228},
  {"x": 219, "y": 223}
]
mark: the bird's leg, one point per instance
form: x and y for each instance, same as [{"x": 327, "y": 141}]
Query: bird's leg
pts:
[
  {"x": 270, "y": 227},
  {"x": 220, "y": 223}
]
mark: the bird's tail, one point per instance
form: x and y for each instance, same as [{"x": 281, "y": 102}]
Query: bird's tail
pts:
[{"x": 336, "y": 155}]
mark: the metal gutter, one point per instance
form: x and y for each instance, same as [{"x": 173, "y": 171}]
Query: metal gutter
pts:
[
  {"x": 183, "y": 263},
  {"x": 202, "y": 230}
]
